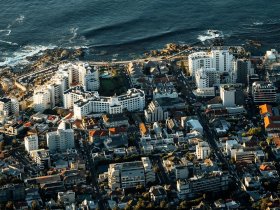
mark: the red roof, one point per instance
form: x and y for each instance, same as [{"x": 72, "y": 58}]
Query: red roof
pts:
[
  {"x": 28, "y": 124},
  {"x": 117, "y": 130},
  {"x": 98, "y": 133}
]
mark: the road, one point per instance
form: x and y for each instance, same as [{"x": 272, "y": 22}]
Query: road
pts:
[
  {"x": 209, "y": 134},
  {"x": 94, "y": 183},
  {"x": 20, "y": 157},
  {"x": 164, "y": 179}
]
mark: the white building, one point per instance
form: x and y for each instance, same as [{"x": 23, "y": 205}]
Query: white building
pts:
[
  {"x": 66, "y": 198},
  {"x": 130, "y": 174},
  {"x": 198, "y": 60},
  {"x": 8, "y": 106},
  {"x": 207, "y": 77},
  {"x": 91, "y": 80},
  {"x": 31, "y": 143},
  {"x": 41, "y": 157},
  {"x": 221, "y": 60},
  {"x": 232, "y": 94},
  {"x": 82, "y": 74},
  {"x": 56, "y": 86},
  {"x": 272, "y": 55},
  {"x": 133, "y": 100},
  {"x": 214, "y": 182},
  {"x": 165, "y": 90},
  {"x": 62, "y": 139},
  {"x": 195, "y": 125},
  {"x": 263, "y": 92},
  {"x": 41, "y": 99},
  {"x": 77, "y": 93},
  {"x": 181, "y": 172},
  {"x": 71, "y": 74},
  {"x": 155, "y": 112},
  {"x": 202, "y": 150}
]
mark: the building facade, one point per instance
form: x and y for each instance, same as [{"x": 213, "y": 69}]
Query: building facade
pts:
[
  {"x": 263, "y": 92},
  {"x": 8, "y": 106},
  {"x": 232, "y": 95},
  {"x": 31, "y": 143},
  {"x": 41, "y": 100},
  {"x": 221, "y": 60},
  {"x": 215, "y": 181},
  {"x": 41, "y": 157},
  {"x": 130, "y": 174},
  {"x": 155, "y": 113},
  {"x": 199, "y": 60},
  {"x": 242, "y": 68},
  {"x": 202, "y": 150},
  {"x": 62, "y": 139},
  {"x": 133, "y": 100}
]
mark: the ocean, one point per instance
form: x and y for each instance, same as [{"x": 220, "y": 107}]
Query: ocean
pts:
[{"x": 124, "y": 29}]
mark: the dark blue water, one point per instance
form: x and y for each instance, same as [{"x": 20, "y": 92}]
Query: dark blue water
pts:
[{"x": 126, "y": 28}]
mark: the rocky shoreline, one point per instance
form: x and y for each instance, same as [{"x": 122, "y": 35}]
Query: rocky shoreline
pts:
[{"x": 48, "y": 58}]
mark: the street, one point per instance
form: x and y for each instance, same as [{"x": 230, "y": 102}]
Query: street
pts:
[
  {"x": 209, "y": 135},
  {"x": 94, "y": 182}
]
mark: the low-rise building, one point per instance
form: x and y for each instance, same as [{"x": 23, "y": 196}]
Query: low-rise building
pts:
[
  {"x": 195, "y": 125},
  {"x": 8, "y": 106},
  {"x": 62, "y": 139},
  {"x": 66, "y": 198},
  {"x": 265, "y": 110},
  {"x": 155, "y": 112},
  {"x": 263, "y": 92},
  {"x": 115, "y": 120},
  {"x": 272, "y": 124},
  {"x": 130, "y": 174},
  {"x": 215, "y": 181},
  {"x": 41, "y": 157},
  {"x": 157, "y": 193},
  {"x": 31, "y": 143},
  {"x": 133, "y": 100},
  {"x": 181, "y": 172},
  {"x": 11, "y": 192},
  {"x": 202, "y": 150},
  {"x": 232, "y": 95},
  {"x": 245, "y": 156}
]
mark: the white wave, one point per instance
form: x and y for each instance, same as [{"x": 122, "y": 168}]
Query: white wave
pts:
[
  {"x": 210, "y": 34},
  {"x": 7, "y": 31},
  {"x": 20, "y": 56},
  {"x": 258, "y": 23},
  {"x": 20, "y": 19},
  {"x": 74, "y": 32},
  {"x": 9, "y": 43}
]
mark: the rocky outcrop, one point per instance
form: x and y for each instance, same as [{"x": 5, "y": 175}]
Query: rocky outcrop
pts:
[{"x": 50, "y": 57}]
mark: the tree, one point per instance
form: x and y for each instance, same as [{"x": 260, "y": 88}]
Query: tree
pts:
[
  {"x": 10, "y": 205},
  {"x": 128, "y": 207},
  {"x": 254, "y": 131},
  {"x": 183, "y": 205},
  {"x": 269, "y": 140},
  {"x": 156, "y": 169},
  {"x": 14, "y": 143},
  {"x": 34, "y": 205},
  {"x": 2, "y": 145},
  {"x": 140, "y": 205},
  {"x": 146, "y": 196},
  {"x": 150, "y": 205},
  {"x": 163, "y": 204}
]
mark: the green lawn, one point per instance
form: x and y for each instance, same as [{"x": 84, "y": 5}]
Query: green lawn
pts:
[{"x": 111, "y": 86}]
